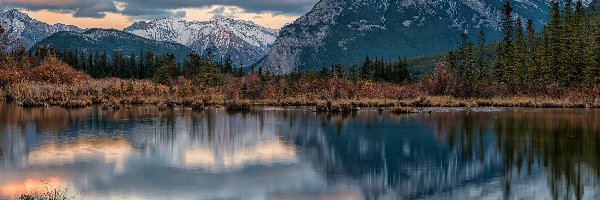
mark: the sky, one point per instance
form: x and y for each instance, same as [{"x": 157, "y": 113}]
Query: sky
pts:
[{"x": 121, "y": 13}]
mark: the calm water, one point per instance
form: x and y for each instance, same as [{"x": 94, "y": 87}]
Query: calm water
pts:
[{"x": 143, "y": 153}]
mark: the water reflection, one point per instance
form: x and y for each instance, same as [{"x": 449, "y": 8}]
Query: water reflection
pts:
[{"x": 297, "y": 154}]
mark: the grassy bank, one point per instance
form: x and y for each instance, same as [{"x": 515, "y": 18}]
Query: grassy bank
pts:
[
  {"x": 51, "y": 82},
  {"x": 116, "y": 93}
]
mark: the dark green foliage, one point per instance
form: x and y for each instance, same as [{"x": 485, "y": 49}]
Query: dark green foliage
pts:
[
  {"x": 380, "y": 71},
  {"x": 565, "y": 54}
]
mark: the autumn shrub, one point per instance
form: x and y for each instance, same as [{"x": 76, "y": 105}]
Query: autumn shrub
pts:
[
  {"x": 52, "y": 70},
  {"x": 596, "y": 91},
  {"x": 442, "y": 82}
]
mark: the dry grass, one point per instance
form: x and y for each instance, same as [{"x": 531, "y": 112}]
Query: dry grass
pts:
[
  {"x": 53, "y": 83},
  {"x": 113, "y": 93}
]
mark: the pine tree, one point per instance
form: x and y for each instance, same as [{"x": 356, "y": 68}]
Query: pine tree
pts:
[
  {"x": 520, "y": 51},
  {"x": 592, "y": 60},
  {"x": 403, "y": 72},
  {"x": 338, "y": 71},
  {"x": 466, "y": 65},
  {"x": 553, "y": 45},
  {"x": 324, "y": 73},
  {"x": 452, "y": 61},
  {"x": 367, "y": 71},
  {"x": 133, "y": 66},
  {"x": 531, "y": 55},
  {"x": 82, "y": 61},
  {"x": 90, "y": 63},
  {"x": 580, "y": 41},
  {"x": 506, "y": 56},
  {"x": 104, "y": 63},
  {"x": 141, "y": 67},
  {"x": 481, "y": 70},
  {"x": 228, "y": 65},
  {"x": 191, "y": 65},
  {"x": 567, "y": 69},
  {"x": 241, "y": 69},
  {"x": 97, "y": 65}
]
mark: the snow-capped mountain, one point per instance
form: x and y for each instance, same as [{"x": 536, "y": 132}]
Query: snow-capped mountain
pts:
[
  {"x": 345, "y": 31},
  {"x": 242, "y": 40},
  {"x": 30, "y": 31}
]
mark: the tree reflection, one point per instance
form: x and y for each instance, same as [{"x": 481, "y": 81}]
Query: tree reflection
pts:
[
  {"x": 377, "y": 154},
  {"x": 565, "y": 142}
]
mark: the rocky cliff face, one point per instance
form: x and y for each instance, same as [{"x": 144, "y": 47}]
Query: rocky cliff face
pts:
[{"x": 345, "y": 31}]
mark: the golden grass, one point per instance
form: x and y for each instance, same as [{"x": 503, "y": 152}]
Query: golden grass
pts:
[{"x": 115, "y": 93}]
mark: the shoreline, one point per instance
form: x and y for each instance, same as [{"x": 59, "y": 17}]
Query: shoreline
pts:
[{"x": 341, "y": 105}]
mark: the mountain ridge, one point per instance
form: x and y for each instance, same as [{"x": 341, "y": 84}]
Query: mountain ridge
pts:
[
  {"x": 345, "y": 31},
  {"x": 29, "y": 30},
  {"x": 111, "y": 40},
  {"x": 243, "y": 40}
]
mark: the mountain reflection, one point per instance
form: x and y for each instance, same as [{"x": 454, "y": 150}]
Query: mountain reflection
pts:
[{"x": 297, "y": 154}]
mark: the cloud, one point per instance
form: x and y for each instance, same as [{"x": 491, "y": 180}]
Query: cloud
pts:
[
  {"x": 223, "y": 12},
  {"x": 134, "y": 8},
  {"x": 79, "y": 8},
  {"x": 153, "y": 9}
]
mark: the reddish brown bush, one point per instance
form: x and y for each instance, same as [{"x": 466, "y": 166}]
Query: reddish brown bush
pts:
[{"x": 52, "y": 70}]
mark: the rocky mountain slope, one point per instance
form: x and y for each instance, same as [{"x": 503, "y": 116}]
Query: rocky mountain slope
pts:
[
  {"x": 30, "y": 31},
  {"x": 242, "y": 40},
  {"x": 345, "y": 31},
  {"x": 110, "y": 40}
]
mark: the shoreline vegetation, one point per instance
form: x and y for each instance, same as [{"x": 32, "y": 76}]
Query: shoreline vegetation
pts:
[
  {"x": 332, "y": 96},
  {"x": 559, "y": 68}
]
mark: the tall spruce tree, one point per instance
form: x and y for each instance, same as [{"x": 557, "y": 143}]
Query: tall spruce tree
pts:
[
  {"x": 481, "y": 70},
  {"x": 506, "y": 56},
  {"x": 520, "y": 51},
  {"x": 553, "y": 44},
  {"x": 531, "y": 55}
]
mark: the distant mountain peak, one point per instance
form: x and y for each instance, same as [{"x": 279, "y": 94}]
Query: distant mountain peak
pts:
[
  {"x": 242, "y": 40},
  {"x": 29, "y": 30}
]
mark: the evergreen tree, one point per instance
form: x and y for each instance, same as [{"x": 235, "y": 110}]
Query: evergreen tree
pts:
[
  {"x": 367, "y": 71},
  {"x": 324, "y": 73},
  {"x": 104, "y": 63},
  {"x": 241, "y": 69},
  {"x": 506, "y": 52},
  {"x": 531, "y": 55},
  {"x": 481, "y": 57},
  {"x": 192, "y": 65},
  {"x": 567, "y": 69},
  {"x": 90, "y": 63},
  {"x": 592, "y": 60},
  {"x": 338, "y": 71},
  {"x": 133, "y": 66},
  {"x": 96, "y": 72},
  {"x": 552, "y": 43},
  {"x": 520, "y": 51},
  {"x": 228, "y": 65}
]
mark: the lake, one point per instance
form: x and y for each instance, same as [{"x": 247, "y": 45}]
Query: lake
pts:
[{"x": 294, "y": 153}]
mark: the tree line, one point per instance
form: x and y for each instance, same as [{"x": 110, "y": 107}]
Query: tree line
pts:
[
  {"x": 566, "y": 53},
  {"x": 206, "y": 69},
  {"x": 147, "y": 65}
]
